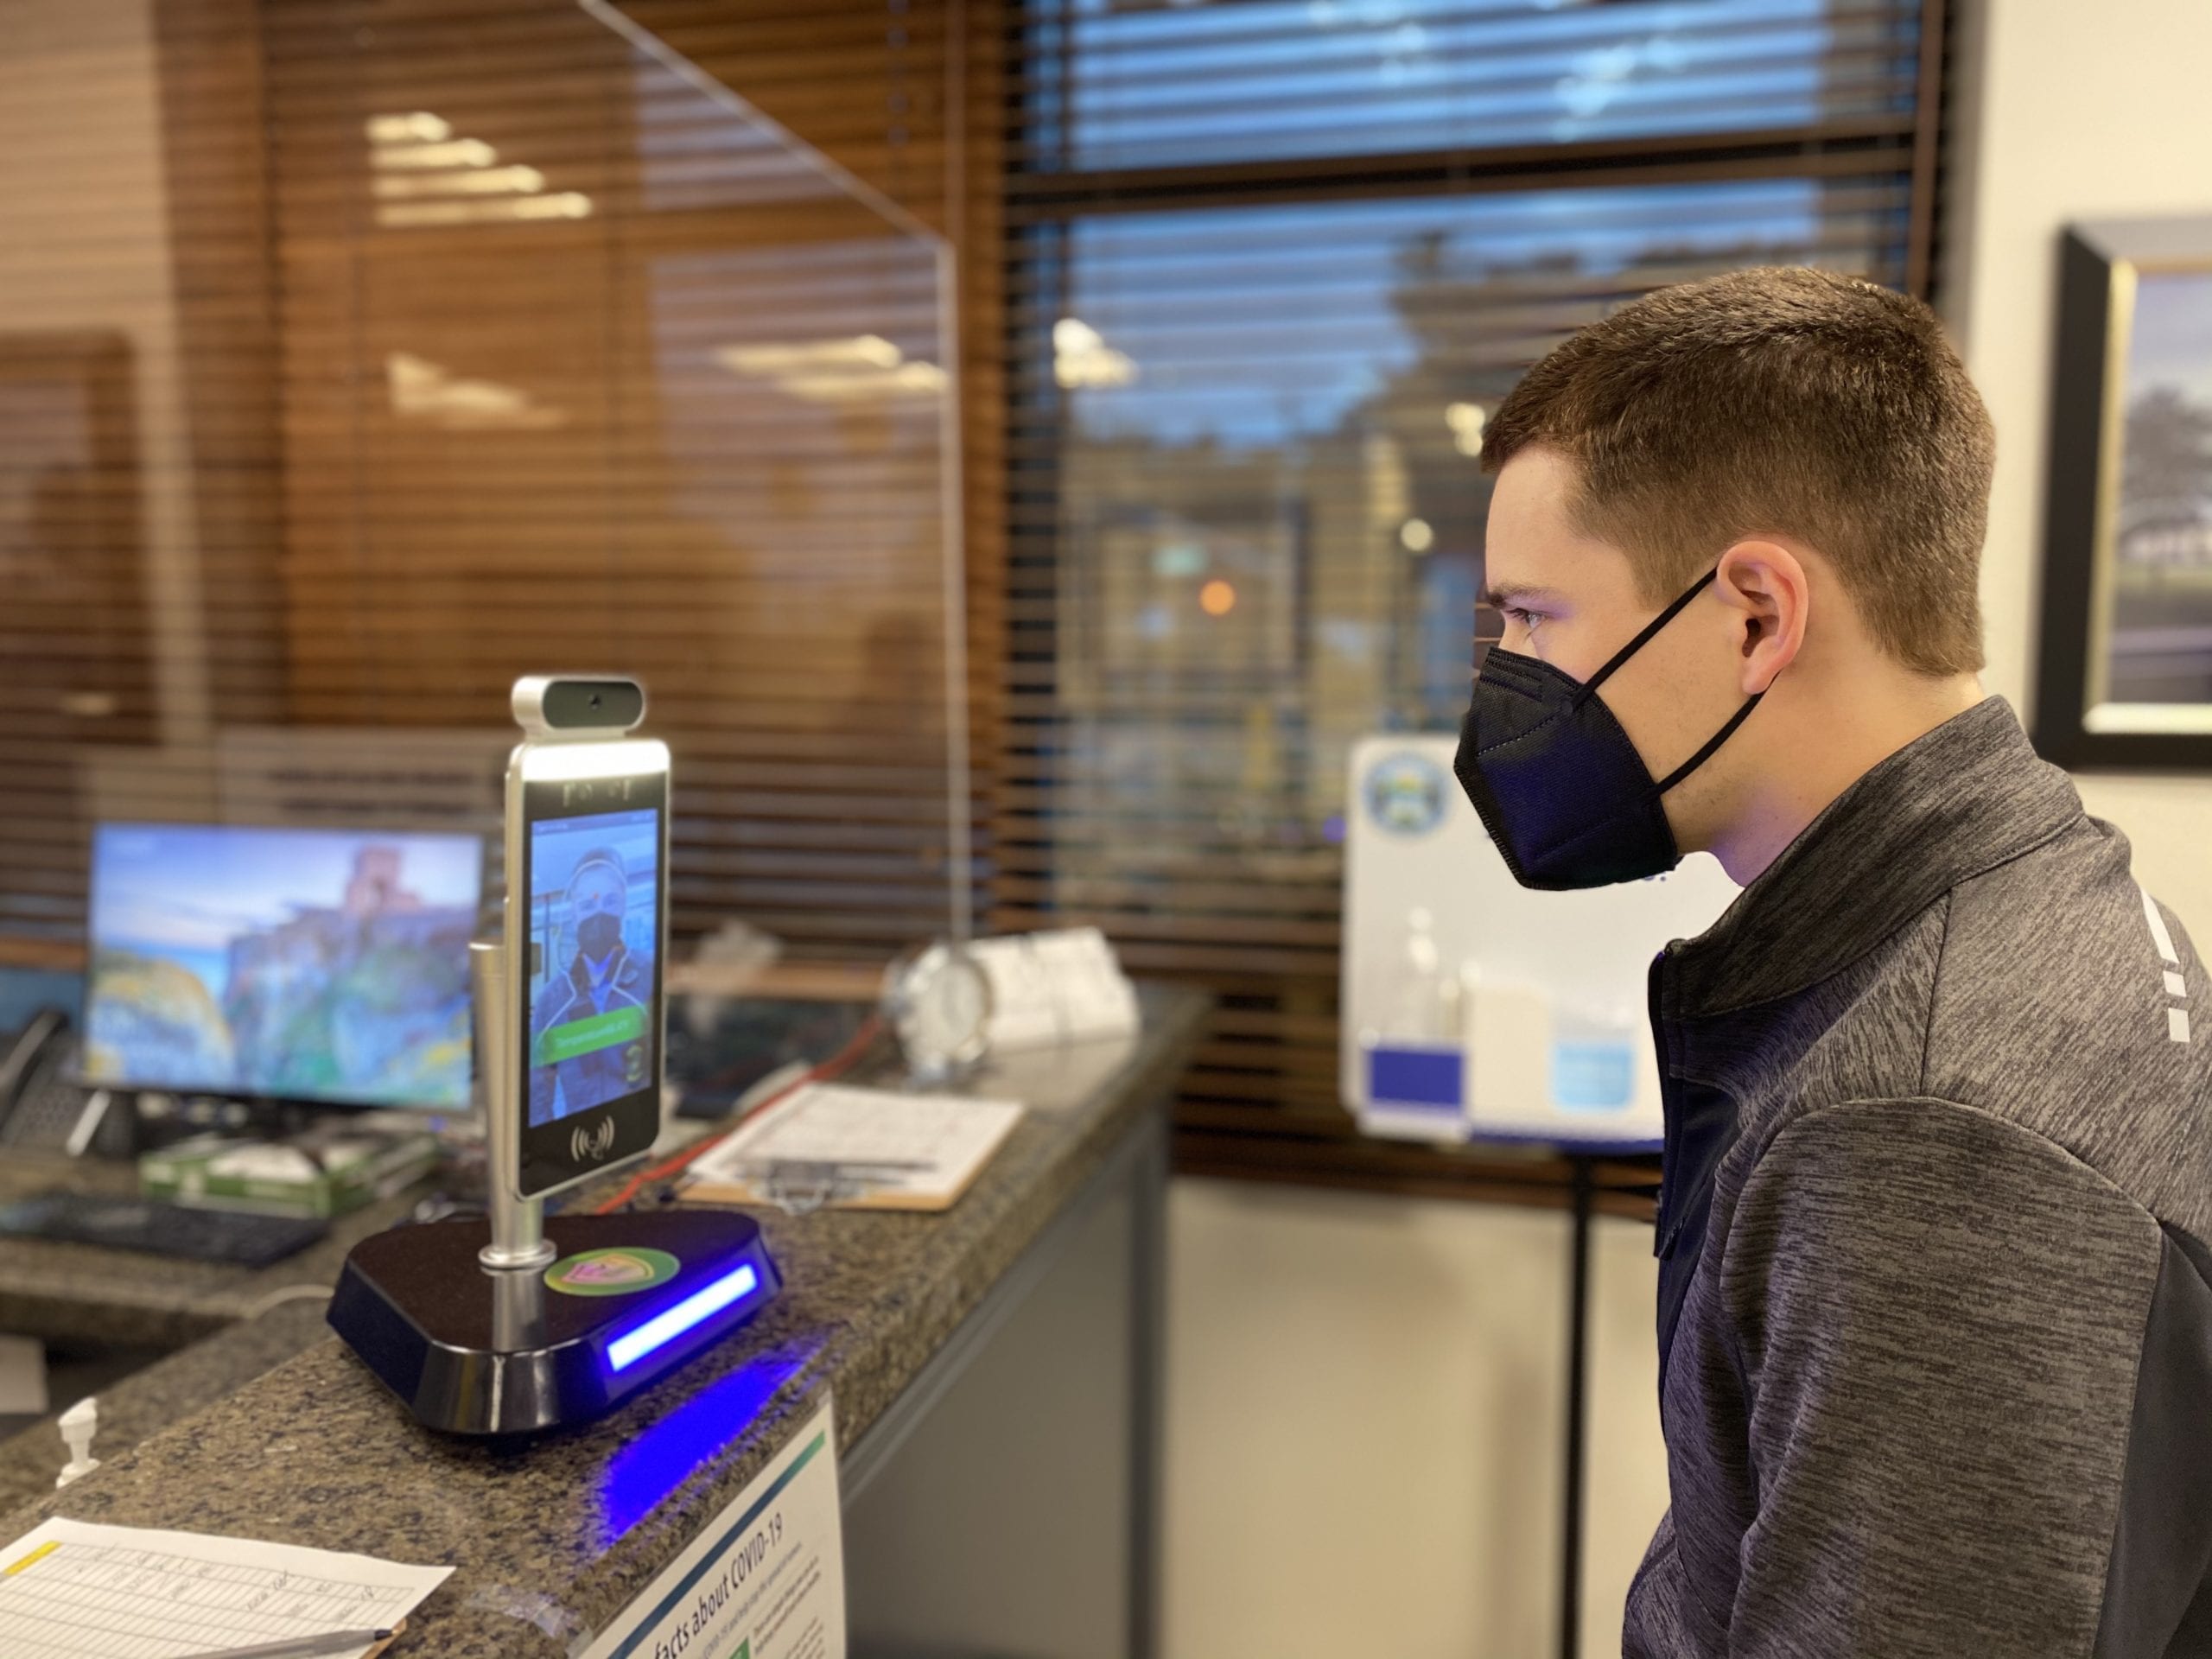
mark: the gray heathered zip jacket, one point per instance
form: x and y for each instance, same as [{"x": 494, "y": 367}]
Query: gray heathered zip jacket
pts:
[{"x": 1935, "y": 1293}]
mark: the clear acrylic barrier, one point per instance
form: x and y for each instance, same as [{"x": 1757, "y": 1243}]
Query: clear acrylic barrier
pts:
[{"x": 432, "y": 344}]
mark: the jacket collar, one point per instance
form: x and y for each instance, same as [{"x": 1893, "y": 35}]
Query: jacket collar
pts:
[
  {"x": 1967, "y": 797},
  {"x": 618, "y": 971}
]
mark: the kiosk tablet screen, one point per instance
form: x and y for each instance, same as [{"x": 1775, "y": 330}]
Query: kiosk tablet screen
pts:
[{"x": 594, "y": 919}]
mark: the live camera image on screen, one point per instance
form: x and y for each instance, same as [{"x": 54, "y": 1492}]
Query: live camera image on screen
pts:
[
  {"x": 301, "y": 964},
  {"x": 594, "y": 910}
]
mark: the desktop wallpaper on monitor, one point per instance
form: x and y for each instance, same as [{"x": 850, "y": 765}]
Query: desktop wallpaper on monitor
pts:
[{"x": 306, "y": 965}]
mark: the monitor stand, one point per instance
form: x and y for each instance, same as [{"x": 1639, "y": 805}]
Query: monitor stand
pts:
[
  {"x": 514, "y": 1324},
  {"x": 163, "y": 1116}
]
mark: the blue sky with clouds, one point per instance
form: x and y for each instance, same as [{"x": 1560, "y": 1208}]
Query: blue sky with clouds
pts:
[
  {"x": 187, "y": 890},
  {"x": 2171, "y": 345}
]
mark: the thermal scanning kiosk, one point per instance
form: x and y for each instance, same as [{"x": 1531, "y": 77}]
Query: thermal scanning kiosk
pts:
[{"x": 520, "y": 1322}]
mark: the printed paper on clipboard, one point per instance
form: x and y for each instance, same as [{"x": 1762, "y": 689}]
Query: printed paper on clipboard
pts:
[{"x": 869, "y": 1148}]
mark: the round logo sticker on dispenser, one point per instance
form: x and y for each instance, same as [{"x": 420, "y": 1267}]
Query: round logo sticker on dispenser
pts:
[
  {"x": 619, "y": 1271},
  {"x": 1405, "y": 793}
]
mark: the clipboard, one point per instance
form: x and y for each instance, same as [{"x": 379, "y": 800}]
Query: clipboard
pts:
[{"x": 857, "y": 1148}]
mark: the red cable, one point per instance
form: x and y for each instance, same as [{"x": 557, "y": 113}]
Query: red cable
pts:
[{"x": 837, "y": 1065}]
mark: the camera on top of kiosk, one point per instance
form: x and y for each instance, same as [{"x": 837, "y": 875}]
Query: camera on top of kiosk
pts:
[{"x": 556, "y": 707}]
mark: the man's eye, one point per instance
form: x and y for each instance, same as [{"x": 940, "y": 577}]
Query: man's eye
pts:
[{"x": 1527, "y": 619}]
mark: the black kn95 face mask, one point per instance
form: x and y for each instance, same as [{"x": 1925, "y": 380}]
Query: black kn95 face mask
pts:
[{"x": 1557, "y": 783}]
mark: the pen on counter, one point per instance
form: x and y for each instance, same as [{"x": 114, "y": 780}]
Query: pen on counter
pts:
[{"x": 305, "y": 1647}]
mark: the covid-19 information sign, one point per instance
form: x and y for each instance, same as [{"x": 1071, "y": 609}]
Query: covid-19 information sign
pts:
[{"x": 765, "y": 1579}]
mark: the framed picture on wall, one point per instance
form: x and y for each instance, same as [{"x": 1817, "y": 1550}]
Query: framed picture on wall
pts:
[{"x": 2125, "y": 669}]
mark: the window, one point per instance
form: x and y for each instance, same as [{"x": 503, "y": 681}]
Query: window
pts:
[{"x": 1270, "y": 266}]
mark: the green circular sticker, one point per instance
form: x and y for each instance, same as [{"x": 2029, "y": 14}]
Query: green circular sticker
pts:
[{"x": 617, "y": 1272}]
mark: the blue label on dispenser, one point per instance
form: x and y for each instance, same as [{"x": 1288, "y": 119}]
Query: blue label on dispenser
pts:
[
  {"x": 1593, "y": 1077},
  {"x": 1418, "y": 1079}
]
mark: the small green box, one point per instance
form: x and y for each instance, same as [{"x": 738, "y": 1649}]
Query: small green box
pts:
[{"x": 322, "y": 1174}]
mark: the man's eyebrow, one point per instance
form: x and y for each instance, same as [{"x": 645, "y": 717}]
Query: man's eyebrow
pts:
[{"x": 1499, "y": 595}]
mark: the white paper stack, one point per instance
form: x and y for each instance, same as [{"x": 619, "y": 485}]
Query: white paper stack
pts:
[
  {"x": 1055, "y": 987},
  {"x": 72, "y": 1590}
]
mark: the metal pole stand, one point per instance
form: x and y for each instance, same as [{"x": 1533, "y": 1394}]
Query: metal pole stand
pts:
[
  {"x": 1578, "y": 1366},
  {"x": 518, "y": 1238}
]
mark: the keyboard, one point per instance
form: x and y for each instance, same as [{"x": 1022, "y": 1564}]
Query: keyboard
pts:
[{"x": 240, "y": 1237}]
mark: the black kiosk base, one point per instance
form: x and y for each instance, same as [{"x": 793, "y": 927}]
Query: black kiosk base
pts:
[{"x": 474, "y": 1350}]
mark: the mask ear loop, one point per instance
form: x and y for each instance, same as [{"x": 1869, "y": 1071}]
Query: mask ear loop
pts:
[
  {"x": 1705, "y": 754},
  {"x": 1590, "y": 686}
]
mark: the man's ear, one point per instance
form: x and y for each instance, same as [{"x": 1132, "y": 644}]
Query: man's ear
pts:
[{"x": 1764, "y": 584}]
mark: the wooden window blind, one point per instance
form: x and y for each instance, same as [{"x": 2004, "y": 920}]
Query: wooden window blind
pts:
[
  {"x": 1270, "y": 264},
  {"x": 356, "y": 356}
]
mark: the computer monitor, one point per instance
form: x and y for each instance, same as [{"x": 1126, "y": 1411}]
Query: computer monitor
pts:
[{"x": 321, "y": 965}]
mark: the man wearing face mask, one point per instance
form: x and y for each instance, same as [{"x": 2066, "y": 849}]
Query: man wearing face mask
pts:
[
  {"x": 603, "y": 977},
  {"x": 1935, "y": 1224}
]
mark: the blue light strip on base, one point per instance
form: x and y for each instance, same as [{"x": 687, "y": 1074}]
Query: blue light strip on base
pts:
[{"x": 663, "y": 1328}]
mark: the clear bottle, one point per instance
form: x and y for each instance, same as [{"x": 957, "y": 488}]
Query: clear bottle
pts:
[{"x": 1423, "y": 1004}]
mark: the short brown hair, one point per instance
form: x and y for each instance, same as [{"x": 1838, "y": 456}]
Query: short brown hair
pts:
[{"x": 1782, "y": 400}]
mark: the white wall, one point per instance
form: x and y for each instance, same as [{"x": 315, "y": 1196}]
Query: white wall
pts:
[
  {"x": 2074, "y": 111},
  {"x": 1364, "y": 1410}
]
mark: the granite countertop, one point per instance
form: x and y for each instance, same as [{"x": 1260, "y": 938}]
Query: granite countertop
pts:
[
  {"x": 166, "y": 1391},
  {"x": 84, "y": 1292},
  {"x": 550, "y": 1538}
]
